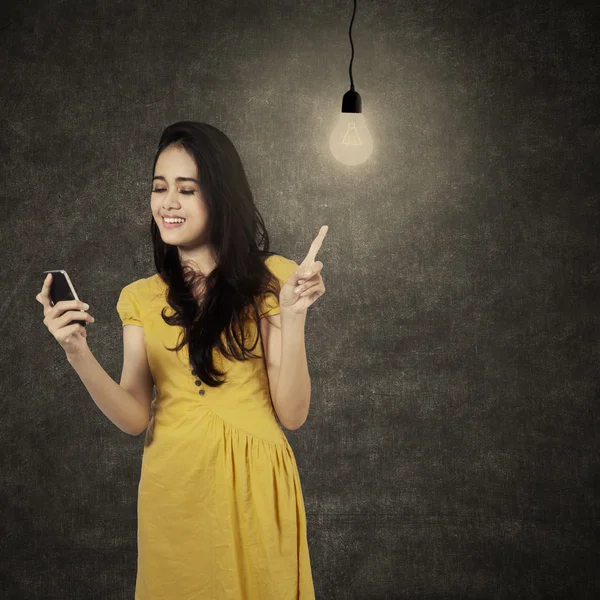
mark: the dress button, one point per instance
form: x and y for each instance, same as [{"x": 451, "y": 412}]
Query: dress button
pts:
[
  {"x": 198, "y": 382},
  {"x": 201, "y": 392}
]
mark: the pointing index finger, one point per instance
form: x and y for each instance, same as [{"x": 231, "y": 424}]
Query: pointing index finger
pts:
[{"x": 315, "y": 246}]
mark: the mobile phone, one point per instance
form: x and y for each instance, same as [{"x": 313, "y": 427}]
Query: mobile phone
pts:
[{"x": 61, "y": 288}]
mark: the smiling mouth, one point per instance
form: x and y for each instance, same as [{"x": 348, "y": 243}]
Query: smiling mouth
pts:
[{"x": 173, "y": 222}]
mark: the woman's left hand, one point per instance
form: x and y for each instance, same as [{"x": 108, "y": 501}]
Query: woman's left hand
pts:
[{"x": 305, "y": 284}]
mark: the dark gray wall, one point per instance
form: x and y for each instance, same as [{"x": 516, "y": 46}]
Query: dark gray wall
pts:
[{"x": 451, "y": 450}]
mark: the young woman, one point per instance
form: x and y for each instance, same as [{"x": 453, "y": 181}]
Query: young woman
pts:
[{"x": 219, "y": 332}]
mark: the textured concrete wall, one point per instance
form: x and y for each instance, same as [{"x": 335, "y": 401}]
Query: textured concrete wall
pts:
[{"x": 451, "y": 450}]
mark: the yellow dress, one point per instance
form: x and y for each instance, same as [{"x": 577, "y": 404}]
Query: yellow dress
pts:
[{"x": 220, "y": 507}]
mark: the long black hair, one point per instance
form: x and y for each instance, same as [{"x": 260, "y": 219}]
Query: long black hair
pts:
[{"x": 235, "y": 229}]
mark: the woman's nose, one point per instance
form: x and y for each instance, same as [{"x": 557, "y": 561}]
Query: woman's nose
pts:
[{"x": 170, "y": 199}]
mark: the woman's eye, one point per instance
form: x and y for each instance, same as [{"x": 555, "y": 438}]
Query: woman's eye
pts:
[{"x": 182, "y": 191}]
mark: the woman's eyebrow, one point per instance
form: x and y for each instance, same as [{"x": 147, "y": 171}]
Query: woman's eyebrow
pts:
[{"x": 178, "y": 179}]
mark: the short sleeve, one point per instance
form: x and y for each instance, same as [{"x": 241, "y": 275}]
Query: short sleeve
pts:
[
  {"x": 282, "y": 268},
  {"x": 128, "y": 307}
]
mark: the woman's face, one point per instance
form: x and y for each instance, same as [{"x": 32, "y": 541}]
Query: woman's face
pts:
[{"x": 176, "y": 193}]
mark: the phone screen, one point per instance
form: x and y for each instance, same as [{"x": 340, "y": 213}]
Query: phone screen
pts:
[{"x": 61, "y": 289}]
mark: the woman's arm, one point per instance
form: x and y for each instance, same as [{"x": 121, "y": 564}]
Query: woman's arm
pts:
[{"x": 287, "y": 367}]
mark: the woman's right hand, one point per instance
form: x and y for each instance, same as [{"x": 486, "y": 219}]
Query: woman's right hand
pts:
[{"x": 57, "y": 317}]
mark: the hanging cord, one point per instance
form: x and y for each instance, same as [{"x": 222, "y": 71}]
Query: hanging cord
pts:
[{"x": 351, "y": 44}]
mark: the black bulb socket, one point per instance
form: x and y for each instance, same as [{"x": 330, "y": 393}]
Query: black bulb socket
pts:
[{"x": 351, "y": 103}]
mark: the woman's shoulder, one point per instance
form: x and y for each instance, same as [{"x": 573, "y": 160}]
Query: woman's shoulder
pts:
[
  {"x": 145, "y": 286},
  {"x": 275, "y": 261},
  {"x": 281, "y": 266}
]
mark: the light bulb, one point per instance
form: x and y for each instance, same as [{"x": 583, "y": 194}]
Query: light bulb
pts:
[{"x": 351, "y": 142}]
